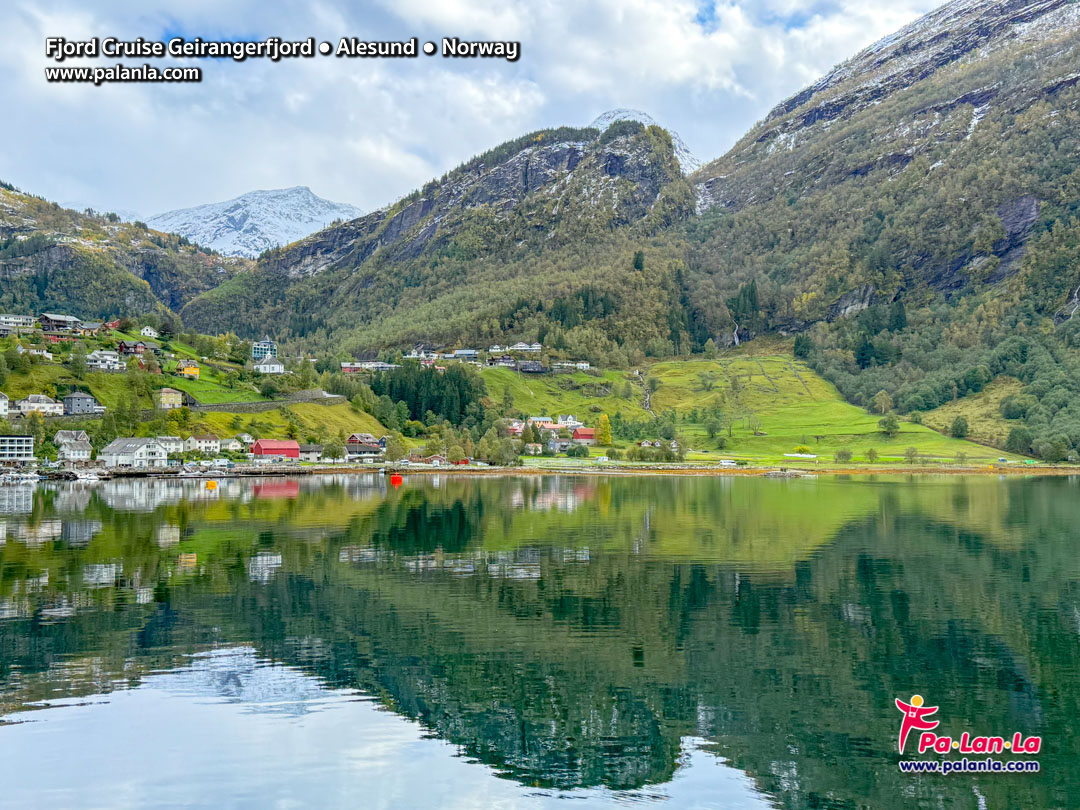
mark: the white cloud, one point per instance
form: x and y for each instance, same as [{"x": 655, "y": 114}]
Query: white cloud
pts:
[{"x": 366, "y": 131}]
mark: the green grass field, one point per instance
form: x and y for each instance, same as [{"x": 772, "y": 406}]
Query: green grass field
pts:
[
  {"x": 793, "y": 407},
  {"x": 322, "y": 422},
  {"x": 985, "y": 422},
  {"x": 583, "y": 395}
]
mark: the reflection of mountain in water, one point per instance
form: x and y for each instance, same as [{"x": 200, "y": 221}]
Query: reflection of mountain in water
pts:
[{"x": 576, "y": 647}]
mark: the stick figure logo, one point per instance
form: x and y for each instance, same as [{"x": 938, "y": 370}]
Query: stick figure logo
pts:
[{"x": 915, "y": 716}]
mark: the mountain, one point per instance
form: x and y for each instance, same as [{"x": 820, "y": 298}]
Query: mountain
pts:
[
  {"x": 534, "y": 220},
  {"x": 687, "y": 162},
  {"x": 93, "y": 265},
  {"x": 256, "y": 221}
]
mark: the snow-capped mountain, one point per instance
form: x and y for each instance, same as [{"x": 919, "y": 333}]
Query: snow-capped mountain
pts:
[
  {"x": 253, "y": 222},
  {"x": 687, "y": 162}
]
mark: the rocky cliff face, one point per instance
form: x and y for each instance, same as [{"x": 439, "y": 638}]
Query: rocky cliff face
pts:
[
  {"x": 910, "y": 92},
  {"x": 557, "y": 185}
]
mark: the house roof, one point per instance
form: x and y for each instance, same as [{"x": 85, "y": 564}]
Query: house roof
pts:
[
  {"x": 311, "y": 448},
  {"x": 168, "y": 391},
  {"x": 80, "y": 394},
  {"x": 62, "y": 436},
  {"x": 585, "y": 433},
  {"x": 277, "y": 444},
  {"x": 127, "y": 445},
  {"x": 54, "y": 317},
  {"x": 204, "y": 437},
  {"x": 77, "y": 445}
]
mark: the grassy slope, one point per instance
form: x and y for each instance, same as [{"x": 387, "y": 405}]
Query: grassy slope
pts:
[
  {"x": 554, "y": 394},
  {"x": 318, "y": 421},
  {"x": 795, "y": 407},
  {"x": 985, "y": 422}
]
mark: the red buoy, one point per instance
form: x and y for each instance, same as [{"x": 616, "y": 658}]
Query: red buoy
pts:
[{"x": 396, "y": 480}]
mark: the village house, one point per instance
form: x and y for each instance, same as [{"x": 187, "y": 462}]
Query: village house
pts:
[
  {"x": 73, "y": 446},
  {"x": 44, "y": 354},
  {"x": 263, "y": 349},
  {"x": 580, "y": 365},
  {"x": 502, "y": 361},
  {"x": 246, "y": 438},
  {"x": 46, "y": 406},
  {"x": 173, "y": 445},
  {"x": 584, "y": 435},
  {"x": 557, "y": 445},
  {"x": 276, "y": 450},
  {"x": 79, "y": 403},
  {"x": 464, "y": 354},
  {"x": 149, "y": 331},
  {"x": 233, "y": 445},
  {"x": 515, "y": 427},
  {"x": 134, "y": 348},
  {"x": 17, "y": 322},
  {"x": 569, "y": 422},
  {"x": 91, "y": 328},
  {"x": 311, "y": 452},
  {"x": 496, "y": 349},
  {"x": 206, "y": 443},
  {"x": 188, "y": 368},
  {"x": 364, "y": 447},
  {"x": 533, "y": 449},
  {"x": 531, "y": 367},
  {"x": 104, "y": 360},
  {"x": 270, "y": 365},
  {"x": 16, "y": 449},
  {"x": 134, "y": 453},
  {"x": 51, "y": 322},
  {"x": 168, "y": 398},
  {"x": 3, "y": 405}
]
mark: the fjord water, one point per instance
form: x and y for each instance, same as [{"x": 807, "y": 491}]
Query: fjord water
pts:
[{"x": 515, "y": 641}]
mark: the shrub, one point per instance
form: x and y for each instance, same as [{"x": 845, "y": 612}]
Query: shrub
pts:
[{"x": 843, "y": 456}]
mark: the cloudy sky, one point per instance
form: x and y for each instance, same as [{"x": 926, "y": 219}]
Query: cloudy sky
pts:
[{"x": 366, "y": 131}]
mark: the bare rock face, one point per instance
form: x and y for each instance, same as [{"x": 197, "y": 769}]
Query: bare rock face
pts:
[
  {"x": 852, "y": 303},
  {"x": 796, "y": 148},
  {"x": 549, "y": 186}
]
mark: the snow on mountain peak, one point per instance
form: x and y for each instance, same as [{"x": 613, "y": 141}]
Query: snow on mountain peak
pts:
[
  {"x": 687, "y": 162},
  {"x": 253, "y": 222}
]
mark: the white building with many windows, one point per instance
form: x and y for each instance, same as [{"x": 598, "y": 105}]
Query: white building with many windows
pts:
[
  {"x": 46, "y": 406},
  {"x": 16, "y": 448},
  {"x": 136, "y": 453}
]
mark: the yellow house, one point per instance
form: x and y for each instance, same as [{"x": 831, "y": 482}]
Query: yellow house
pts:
[{"x": 187, "y": 368}]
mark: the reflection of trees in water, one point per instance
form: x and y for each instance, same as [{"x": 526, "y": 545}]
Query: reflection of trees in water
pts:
[{"x": 591, "y": 671}]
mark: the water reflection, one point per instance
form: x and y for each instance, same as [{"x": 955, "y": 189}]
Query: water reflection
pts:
[{"x": 711, "y": 642}]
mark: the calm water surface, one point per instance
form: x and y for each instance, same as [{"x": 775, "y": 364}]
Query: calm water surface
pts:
[{"x": 524, "y": 641}]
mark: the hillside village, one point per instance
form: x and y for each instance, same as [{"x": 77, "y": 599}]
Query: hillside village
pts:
[{"x": 60, "y": 360}]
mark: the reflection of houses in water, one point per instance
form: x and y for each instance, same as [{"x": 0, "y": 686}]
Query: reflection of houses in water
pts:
[
  {"x": 16, "y": 500},
  {"x": 101, "y": 575},
  {"x": 263, "y": 566},
  {"x": 72, "y": 497},
  {"x": 3, "y": 532},
  {"x": 277, "y": 488},
  {"x": 167, "y": 535},
  {"x": 41, "y": 533},
  {"x": 522, "y": 563},
  {"x": 552, "y": 496},
  {"x": 79, "y": 532}
]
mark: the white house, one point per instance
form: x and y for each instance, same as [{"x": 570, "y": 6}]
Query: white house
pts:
[
  {"x": 17, "y": 321},
  {"x": 264, "y": 348},
  {"x": 149, "y": 331},
  {"x": 16, "y": 448},
  {"x": 203, "y": 443},
  {"x": 3, "y": 404},
  {"x": 233, "y": 445},
  {"x": 270, "y": 365},
  {"x": 46, "y": 406},
  {"x": 173, "y": 445},
  {"x": 246, "y": 438},
  {"x": 76, "y": 452},
  {"x": 137, "y": 453},
  {"x": 104, "y": 360}
]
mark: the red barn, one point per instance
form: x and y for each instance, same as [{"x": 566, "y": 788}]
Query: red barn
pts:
[
  {"x": 276, "y": 448},
  {"x": 585, "y": 436}
]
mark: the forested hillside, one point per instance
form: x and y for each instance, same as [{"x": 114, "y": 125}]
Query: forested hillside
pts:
[
  {"x": 94, "y": 265},
  {"x": 912, "y": 217}
]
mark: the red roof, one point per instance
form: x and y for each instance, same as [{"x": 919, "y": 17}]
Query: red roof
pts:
[
  {"x": 585, "y": 433},
  {"x": 290, "y": 448}
]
